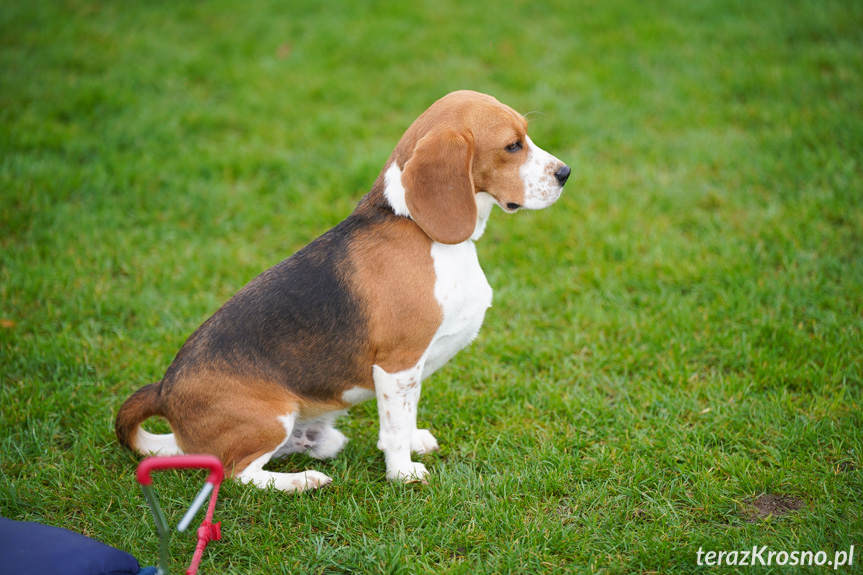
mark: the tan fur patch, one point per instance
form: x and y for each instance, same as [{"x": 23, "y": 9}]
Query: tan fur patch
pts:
[{"x": 394, "y": 277}]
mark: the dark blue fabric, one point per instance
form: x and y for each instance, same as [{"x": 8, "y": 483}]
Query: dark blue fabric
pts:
[{"x": 36, "y": 549}]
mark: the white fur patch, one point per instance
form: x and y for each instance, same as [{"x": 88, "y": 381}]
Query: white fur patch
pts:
[
  {"x": 357, "y": 395},
  {"x": 541, "y": 188},
  {"x": 147, "y": 443},
  {"x": 394, "y": 191},
  {"x": 484, "y": 203},
  {"x": 464, "y": 295}
]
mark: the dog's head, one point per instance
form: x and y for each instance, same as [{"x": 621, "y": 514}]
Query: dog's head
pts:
[{"x": 466, "y": 144}]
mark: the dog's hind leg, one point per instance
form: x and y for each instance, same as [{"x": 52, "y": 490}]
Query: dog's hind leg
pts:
[{"x": 291, "y": 482}]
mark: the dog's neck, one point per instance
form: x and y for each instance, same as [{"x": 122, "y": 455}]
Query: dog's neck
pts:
[
  {"x": 388, "y": 194},
  {"x": 484, "y": 203}
]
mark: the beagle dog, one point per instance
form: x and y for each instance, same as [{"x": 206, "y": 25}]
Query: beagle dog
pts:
[{"x": 368, "y": 310}]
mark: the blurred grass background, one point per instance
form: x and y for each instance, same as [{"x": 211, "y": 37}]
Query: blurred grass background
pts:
[{"x": 678, "y": 335}]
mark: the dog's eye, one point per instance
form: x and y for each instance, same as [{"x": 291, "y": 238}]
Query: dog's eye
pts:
[{"x": 514, "y": 147}]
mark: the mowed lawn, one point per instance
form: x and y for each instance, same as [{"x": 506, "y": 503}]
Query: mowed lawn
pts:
[{"x": 674, "y": 358}]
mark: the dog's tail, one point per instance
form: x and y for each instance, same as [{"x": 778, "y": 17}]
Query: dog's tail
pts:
[{"x": 143, "y": 404}]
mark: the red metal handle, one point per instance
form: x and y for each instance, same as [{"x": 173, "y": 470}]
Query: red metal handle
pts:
[{"x": 217, "y": 470}]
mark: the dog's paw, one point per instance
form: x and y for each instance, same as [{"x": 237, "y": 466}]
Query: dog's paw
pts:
[
  {"x": 330, "y": 443},
  {"x": 412, "y": 473},
  {"x": 422, "y": 441},
  {"x": 308, "y": 480},
  {"x": 287, "y": 482}
]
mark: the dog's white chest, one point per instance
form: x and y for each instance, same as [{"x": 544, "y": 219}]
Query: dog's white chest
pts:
[{"x": 464, "y": 295}]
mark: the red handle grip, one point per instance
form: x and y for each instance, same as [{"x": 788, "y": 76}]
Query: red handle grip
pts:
[{"x": 217, "y": 470}]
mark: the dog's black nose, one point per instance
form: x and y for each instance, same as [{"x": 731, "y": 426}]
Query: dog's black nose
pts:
[{"x": 562, "y": 174}]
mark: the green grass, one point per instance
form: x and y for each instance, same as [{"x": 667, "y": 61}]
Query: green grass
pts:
[{"x": 681, "y": 333}]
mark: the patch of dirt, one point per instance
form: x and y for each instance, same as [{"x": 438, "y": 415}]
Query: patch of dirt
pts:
[
  {"x": 459, "y": 552},
  {"x": 774, "y": 505}
]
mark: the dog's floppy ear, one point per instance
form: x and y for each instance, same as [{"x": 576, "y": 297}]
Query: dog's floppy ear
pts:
[{"x": 439, "y": 187}]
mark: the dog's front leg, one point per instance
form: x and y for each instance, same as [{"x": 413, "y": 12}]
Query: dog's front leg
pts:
[{"x": 398, "y": 395}]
